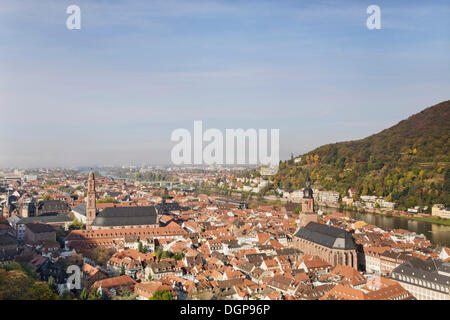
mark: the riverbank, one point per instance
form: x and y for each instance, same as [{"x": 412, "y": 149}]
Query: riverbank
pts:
[
  {"x": 249, "y": 197},
  {"x": 438, "y": 234},
  {"x": 444, "y": 222},
  {"x": 435, "y": 220}
]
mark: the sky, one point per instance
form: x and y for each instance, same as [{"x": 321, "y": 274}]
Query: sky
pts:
[{"x": 113, "y": 92}]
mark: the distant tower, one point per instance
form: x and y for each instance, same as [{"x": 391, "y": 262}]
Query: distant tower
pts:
[
  {"x": 7, "y": 198},
  {"x": 307, "y": 215},
  {"x": 91, "y": 210},
  {"x": 7, "y": 209}
]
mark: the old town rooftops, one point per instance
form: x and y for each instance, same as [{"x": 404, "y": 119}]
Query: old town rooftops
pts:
[
  {"x": 39, "y": 228},
  {"x": 434, "y": 271},
  {"x": 80, "y": 209},
  {"x": 47, "y": 218},
  {"x": 53, "y": 206},
  {"x": 171, "y": 229}
]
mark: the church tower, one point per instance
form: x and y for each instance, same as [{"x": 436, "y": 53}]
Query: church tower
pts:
[
  {"x": 7, "y": 208},
  {"x": 91, "y": 210},
  {"x": 307, "y": 214},
  {"x": 307, "y": 200}
]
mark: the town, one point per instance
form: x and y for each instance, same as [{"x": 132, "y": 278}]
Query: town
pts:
[{"x": 175, "y": 238}]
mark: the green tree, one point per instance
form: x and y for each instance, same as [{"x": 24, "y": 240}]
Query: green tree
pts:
[
  {"x": 29, "y": 271},
  {"x": 157, "y": 253},
  {"x": 178, "y": 256},
  {"x": 52, "y": 284},
  {"x": 102, "y": 254},
  {"x": 40, "y": 291},
  {"x": 447, "y": 181},
  {"x": 66, "y": 295},
  {"x": 94, "y": 295},
  {"x": 162, "y": 295},
  {"x": 298, "y": 209},
  {"x": 106, "y": 200},
  {"x": 166, "y": 254},
  {"x": 125, "y": 293},
  {"x": 13, "y": 266},
  {"x": 76, "y": 225},
  {"x": 84, "y": 295}
]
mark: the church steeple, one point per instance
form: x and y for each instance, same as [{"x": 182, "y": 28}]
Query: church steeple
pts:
[
  {"x": 91, "y": 208},
  {"x": 7, "y": 208},
  {"x": 308, "y": 199},
  {"x": 307, "y": 191}
]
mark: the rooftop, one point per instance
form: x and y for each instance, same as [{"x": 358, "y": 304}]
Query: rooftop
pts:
[{"x": 327, "y": 236}]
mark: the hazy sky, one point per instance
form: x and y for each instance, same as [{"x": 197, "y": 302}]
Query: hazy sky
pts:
[{"x": 113, "y": 92}]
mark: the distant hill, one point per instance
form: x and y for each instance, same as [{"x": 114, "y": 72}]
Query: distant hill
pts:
[{"x": 408, "y": 163}]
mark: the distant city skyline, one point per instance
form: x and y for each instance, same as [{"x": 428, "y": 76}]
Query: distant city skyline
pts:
[{"x": 114, "y": 91}]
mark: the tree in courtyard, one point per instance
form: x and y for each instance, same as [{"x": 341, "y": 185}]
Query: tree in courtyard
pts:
[
  {"x": 101, "y": 255},
  {"x": 141, "y": 247},
  {"x": 76, "y": 225},
  {"x": 162, "y": 295}
]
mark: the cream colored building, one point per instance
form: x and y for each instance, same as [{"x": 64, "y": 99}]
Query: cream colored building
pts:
[{"x": 439, "y": 210}]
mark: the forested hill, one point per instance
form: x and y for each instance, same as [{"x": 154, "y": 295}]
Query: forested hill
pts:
[{"x": 407, "y": 163}]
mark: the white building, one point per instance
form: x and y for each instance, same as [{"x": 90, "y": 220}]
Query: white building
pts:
[
  {"x": 329, "y": 196},
  {"x": 439, "y": 210},
  {"x": 79, "y": 212}
]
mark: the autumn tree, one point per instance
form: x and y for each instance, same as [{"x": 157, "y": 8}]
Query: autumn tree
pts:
[{"x": 101, "y": 255}]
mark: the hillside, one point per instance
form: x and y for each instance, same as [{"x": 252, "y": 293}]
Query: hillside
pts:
[{"x": 407, "y": 163}]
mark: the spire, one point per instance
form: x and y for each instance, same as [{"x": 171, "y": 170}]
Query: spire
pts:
[
  {"x": 307, "y": 191},
  {"x": 308, "y": 181},
  {"x": 91, "y": 175}
]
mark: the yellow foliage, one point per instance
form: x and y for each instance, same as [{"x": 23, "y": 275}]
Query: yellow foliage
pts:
[{"x": 359, "y": 224}]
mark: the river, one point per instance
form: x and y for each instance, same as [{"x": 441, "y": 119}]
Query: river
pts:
[{"x": 436, "y": 233}]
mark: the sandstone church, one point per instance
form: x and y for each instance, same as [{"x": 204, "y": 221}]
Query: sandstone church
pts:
[
  {"x": 333, "y": 245},
  {"x": 117, "y": 217}
]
